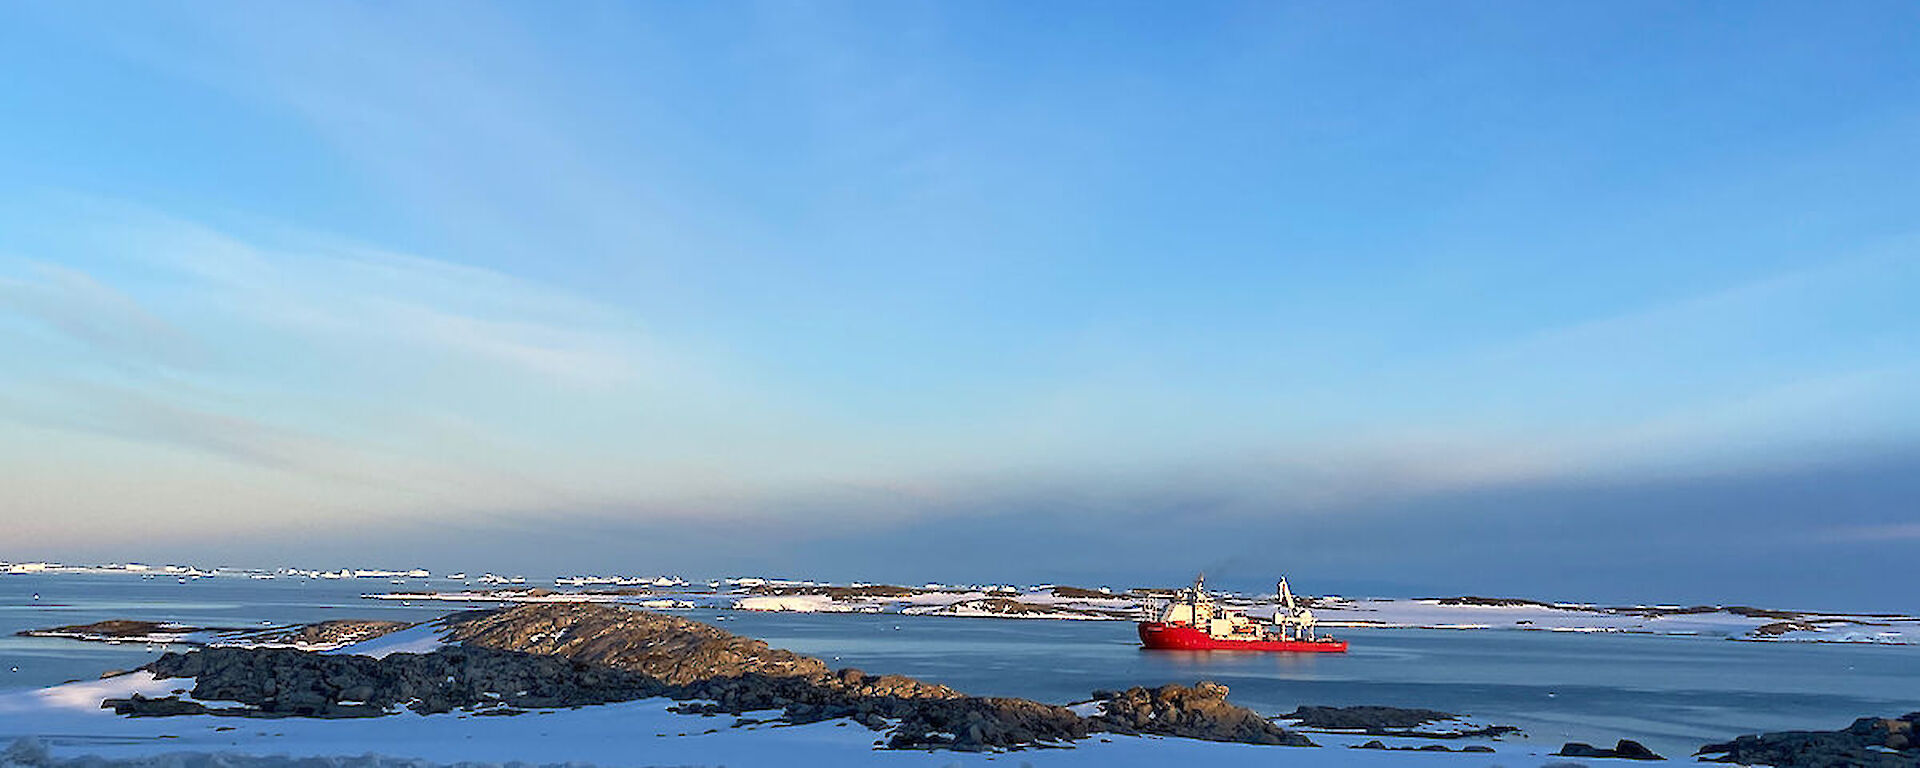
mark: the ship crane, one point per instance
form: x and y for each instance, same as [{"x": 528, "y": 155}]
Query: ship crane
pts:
[{"x": 1294, "y": 621}]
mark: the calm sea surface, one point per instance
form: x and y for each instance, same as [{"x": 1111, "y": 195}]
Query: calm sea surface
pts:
[{"x": 1672, "y": 693}]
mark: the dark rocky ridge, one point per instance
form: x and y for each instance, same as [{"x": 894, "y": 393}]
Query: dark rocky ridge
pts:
[
  {"x": 281, "y": 682},
  {"x": 1199, "y": 712},
  {"x": 1871, "y": 742},
  {"x": 1501, "y": 602},
  {"x": 331, "y": 633},
  {"x": 112, "y": 629},
  {"x": 321, "y": 634},
  {"x": 1080, "y": 592},
  {"x": 840, "y": 593},
  {"x": 1779, "y": 628},
  {"x": 1390, "y": 721},
  {"x": 560, "y": 655},
  {"x": 1377, "y": 744},
  {"x": 1366, "y": 718},
  {"x": 1005, "y": 606},
  {"x": 1627, "y": 749},
  {"x": 670, "y": 649}
]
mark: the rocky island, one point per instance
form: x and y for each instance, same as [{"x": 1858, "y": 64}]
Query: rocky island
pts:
[{"x": 510, "y": 660}]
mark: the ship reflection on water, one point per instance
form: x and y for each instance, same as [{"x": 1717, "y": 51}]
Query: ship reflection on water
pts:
[{"x": 1228, "y": 664}]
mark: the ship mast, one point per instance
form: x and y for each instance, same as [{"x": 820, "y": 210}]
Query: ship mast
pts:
[{"x": 1202, "y": 604}]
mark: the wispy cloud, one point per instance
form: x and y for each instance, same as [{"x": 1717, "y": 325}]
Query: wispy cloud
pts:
[
  {"x": 561, "y": 354},
  {"x": 73, "y": 303},
  {"x": 323, "y": 288},
  {"x": 405, "y": 385}
]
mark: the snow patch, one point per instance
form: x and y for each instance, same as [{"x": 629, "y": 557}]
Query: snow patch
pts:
[{"x": 422, "y": 638}]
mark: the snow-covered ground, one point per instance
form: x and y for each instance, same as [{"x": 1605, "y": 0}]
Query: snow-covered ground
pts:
[
  {"x": 68, "y": 721},
  {"x": 420, "y": 638}
]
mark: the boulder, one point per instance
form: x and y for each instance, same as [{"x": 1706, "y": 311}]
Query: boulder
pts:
[
  {"x": 141, "y": 706},
  {"x": 1199, "y": 712},
  {"x": 1625, "y": 748},
  {"x": 1870, "y": 742}
]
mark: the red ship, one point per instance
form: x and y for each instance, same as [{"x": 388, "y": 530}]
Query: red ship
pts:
[{"x": 1192, "y": 622}]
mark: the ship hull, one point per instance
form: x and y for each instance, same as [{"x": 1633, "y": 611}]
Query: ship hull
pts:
[{"x": 1168, "y": 637}]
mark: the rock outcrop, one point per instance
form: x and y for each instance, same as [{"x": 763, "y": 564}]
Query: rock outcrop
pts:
[
  {"x": 972, "y": 724},
  {"x": 1392, "y": 721},
  {"x": 1496, "y": 602},
  {"x": 1377, "y": 744},
  {"x": 324, "y": 634},
  {"x": 1871, "y": 742},
  {"x": 111, "y": 629},
  {"x": 316, "y": 636},
  {"x": 1199, "y": 712},
  {"x": 1366, "y": 718},
  {"x": 1624, "y": 748},
  {"x": 1003, "y": 606},
  {"x": 277, "y": 682},
  {"x": 837, "y": 593},
  {"x": 670, "y": 649},
  {"x": 563, "y": 655}
]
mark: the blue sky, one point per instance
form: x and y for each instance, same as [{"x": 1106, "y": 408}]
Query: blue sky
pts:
[{"x": 757, "y": 286}]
